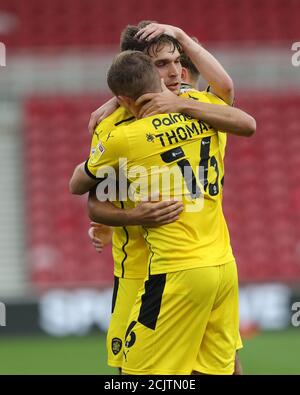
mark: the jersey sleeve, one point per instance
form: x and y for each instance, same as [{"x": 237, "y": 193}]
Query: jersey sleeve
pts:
[
  {"x": 94, "y": 142},
  {"x": 106, "y": 154},
  {"x": 213, "y": 99},
  {"x": 97, "y": 135}
]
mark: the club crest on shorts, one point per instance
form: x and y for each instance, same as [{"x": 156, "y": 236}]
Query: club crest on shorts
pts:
[{"x": 116, "y": 345}]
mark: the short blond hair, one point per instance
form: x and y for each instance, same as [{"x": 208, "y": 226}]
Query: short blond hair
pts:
[{"x": 132, "y": 74}]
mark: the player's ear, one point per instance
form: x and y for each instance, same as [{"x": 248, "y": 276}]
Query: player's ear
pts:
[
  {"x": 184, "y": 74},
  {"x": 123, "y": 101},
  {"x": 119, "y": 99}
]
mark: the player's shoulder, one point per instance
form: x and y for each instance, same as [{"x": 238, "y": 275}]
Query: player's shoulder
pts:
[
  {"x": 138, "y": 124},
  {"x": 154, "y": 122},
  {"x": 193, "y": 94},
  {"x": 203, "y": 96},
  {"x": 214, "y": 99},
  {"x": 119, "y": 117}
]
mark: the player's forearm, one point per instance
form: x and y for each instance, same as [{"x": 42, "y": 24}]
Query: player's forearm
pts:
[
  {"x": 208, "y": 66},
  {"x": 145, "y": 213},
  {"x": 107, "y": 213},
  {"x": 222, "y": 118},
  {"x": 80, "y": 182}
]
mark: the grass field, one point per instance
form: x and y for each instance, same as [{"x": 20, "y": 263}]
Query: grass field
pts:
[{"x": 267, "y": 353}]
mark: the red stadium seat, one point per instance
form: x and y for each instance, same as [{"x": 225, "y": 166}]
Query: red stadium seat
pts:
[{"x": 59, "y": 23}]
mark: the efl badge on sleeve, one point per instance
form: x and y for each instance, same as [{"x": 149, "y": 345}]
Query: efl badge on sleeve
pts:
[{"x": 96, "y": 155}]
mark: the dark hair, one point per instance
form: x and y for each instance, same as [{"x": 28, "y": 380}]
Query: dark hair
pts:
[
  {"x": 188, "y": 64},
  {"x": 128, "y": 40},
  {"x": 132, "y": 74}
]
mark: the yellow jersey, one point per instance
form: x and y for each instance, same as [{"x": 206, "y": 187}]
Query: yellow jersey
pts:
[
  {"x": 208, "y": 97},
  {"x": 153, "y": 148},
  {"x": 129, "y": 249}
]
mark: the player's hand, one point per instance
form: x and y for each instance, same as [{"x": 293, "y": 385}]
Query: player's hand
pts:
[
  {"x": 158, "y": 103},
  {"x": 96, "y": 241},
  {"x": 100, "y": 235},
  {"x": 101, "y": 113},
  {"x": 156, "y": 29},
  {"x": 157, "y": 213}
]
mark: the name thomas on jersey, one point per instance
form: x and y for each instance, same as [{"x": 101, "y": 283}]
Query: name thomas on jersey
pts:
[{"x": 177, "y": 134}]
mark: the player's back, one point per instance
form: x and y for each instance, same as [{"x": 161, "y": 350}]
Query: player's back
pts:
[{"x": 189, "y": 151}]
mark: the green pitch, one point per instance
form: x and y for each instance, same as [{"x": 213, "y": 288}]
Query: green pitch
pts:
[{"x": 267, "y": 353}]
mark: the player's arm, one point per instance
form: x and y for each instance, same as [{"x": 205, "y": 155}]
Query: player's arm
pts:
[
  {"x": 211, "y": 70},
  {"x": 145, "y": 213},
  {"x": 209, "y": 67},
  {"x": 224, "y": 118},
  {"x": 102, "y": 163},
  {"x": 80, "y": 181}
]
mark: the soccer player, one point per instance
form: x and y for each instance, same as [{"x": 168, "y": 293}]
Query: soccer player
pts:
[
  {"x": 211, "y": 70},
  {"x": 204, "y": 240},
  {"x": 125, "y": 289},
  {"x": 121, "y": 247},
  {"x": 101, "y": 235}
]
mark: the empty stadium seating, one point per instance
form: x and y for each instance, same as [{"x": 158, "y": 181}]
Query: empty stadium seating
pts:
[
  {"x": 261, "y": 192},
  {"x": 56, "y": 139},
  {"x": 56, "y": 23}
]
